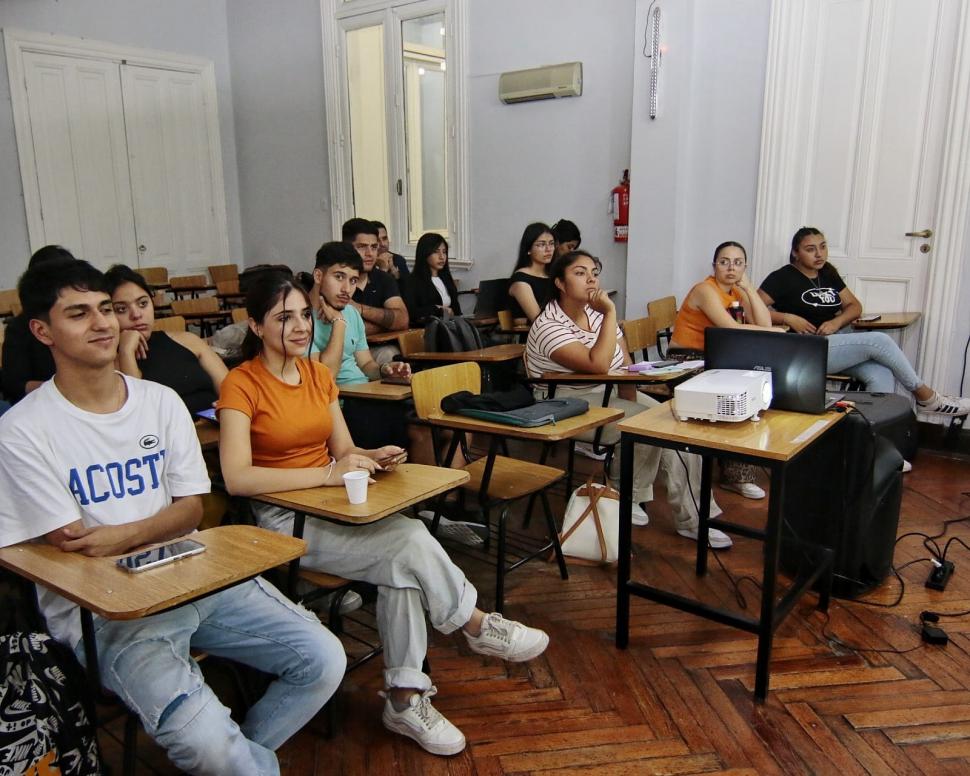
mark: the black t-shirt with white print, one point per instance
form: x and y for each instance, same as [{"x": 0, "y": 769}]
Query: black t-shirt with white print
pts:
[{"x": 816, "y": 300}]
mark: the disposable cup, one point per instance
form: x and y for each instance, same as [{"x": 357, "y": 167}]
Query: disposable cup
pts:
[{"x": 356, "y": 484}]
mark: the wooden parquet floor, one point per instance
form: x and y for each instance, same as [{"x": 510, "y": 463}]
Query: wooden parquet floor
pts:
[{"x": 852, "y": 693}]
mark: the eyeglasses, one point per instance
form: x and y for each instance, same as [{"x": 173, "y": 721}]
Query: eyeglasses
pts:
[
  {"x": 544, "y": 244},
  {"x": 731, "y": 262}
]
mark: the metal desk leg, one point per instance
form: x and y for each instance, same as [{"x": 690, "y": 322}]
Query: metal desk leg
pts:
[
  {"x": 704, "y": 514},
  {"x": 90, "y": 651},
  {"x": 626, "y": 543},
  {"x": 766, "y": 626},
  {"x": 299, "y": 522}
]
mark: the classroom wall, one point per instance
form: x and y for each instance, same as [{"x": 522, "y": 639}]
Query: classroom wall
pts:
[
  {"x": 281, "y": 135},
  {"x": 541, "y": 161},
  {"x": 193, "y": 27}
]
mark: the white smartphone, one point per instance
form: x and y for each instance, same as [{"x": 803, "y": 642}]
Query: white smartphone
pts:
[{"x": 159, "y": 556}]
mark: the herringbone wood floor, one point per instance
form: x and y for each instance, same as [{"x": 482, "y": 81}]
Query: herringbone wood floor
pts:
[{"x": 679, "y": 699}]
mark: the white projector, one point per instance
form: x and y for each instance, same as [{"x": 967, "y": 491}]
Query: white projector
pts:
[{"x": 723, "y": 394}]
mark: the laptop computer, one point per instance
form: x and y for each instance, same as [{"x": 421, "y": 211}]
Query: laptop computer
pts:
[
  {"x": 797, "y": 362},
  {"x": 493, "y": 295}
]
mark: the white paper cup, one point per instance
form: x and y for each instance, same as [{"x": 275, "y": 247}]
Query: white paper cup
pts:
[{"x": 356, "y": 484}]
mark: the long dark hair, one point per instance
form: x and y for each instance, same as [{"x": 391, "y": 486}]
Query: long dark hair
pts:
[
  {"x": 120, "y": 274},
  {"x": 428, "y": 244},
  {"x": 530, "y": 235},
  {"x": 262, "y": 298},
  {"x": 796, "y": 240},
  {"x": 557, "y": 271},
  {"x": 729, "y": 244},
  {"x": 565, "y": 230}
]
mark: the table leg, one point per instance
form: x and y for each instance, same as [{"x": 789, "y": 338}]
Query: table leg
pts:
[
  {"x": 704, "y": 513},
  {"x": 766, "y": 625},
  {"x": 626, "y": 542},
  {"x": 90, "y": 650},
  {"x": 299, "y": 523}
]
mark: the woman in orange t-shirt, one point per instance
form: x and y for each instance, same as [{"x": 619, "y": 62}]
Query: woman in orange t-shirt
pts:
[
  {"x": 709, "y": 302},
  {"x": 281, "y": 428}
]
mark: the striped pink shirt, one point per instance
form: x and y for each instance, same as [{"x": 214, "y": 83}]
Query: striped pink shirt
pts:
[{"x": 554, "y": 329}]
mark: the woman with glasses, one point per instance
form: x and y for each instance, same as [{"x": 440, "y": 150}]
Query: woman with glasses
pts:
[
  {"x": 809, "y": 296},
  {"x": 712, "y": 302},
  {"x": 577, "y": 332},
  {"x": 530, "y": 288}
]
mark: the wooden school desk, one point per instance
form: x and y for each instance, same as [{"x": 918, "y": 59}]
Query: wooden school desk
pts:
[{"x": 375, "y": 390}]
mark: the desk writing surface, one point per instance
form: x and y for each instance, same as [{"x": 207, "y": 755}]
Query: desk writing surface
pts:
[
  {"x": 613, "y": 376},
  {"x": 552, "y": 432},
  {"x": 392, "y": 492},
  {"x": 382, "y": 337},
  {"x": 208, "y": 433},
  {"x": 233, "y": 553},
  {"x": 489, "y": 355},
  {"x": 888, "y": 321},
  {"x": 375, "y": 389},
  {"x": 779, "y": 435}
]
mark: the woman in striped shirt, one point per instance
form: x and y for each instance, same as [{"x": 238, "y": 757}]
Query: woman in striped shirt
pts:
[{"x": 578, "y": 332}]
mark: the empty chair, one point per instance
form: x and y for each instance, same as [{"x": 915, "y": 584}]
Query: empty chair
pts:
[
  {"x": 220, "y": 273},
  {"x": 9, "y": 302},
  {"x": 171, "y": 323},
  {"x": 188, "y": 284},
  {"x": 154, "y": 276},
  {"x": 664, "y": 313},
  {"x": 639, "y": 334}
]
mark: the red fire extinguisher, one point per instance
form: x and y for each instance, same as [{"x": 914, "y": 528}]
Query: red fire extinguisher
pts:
[{"x": 620, "y": 208}]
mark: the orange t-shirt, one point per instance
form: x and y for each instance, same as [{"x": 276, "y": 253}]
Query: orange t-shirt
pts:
[
  {"x": 690, "y": 324},
  {"x": 290, "y": 423}
]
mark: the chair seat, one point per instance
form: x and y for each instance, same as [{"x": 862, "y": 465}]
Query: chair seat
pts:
[
  {"x": 322, "y": 579},
  {"x": 511, "y": 478}
]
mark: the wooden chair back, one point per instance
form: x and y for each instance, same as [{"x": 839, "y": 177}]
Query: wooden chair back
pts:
[
  {"x": 640, "y": 334},
  {"x": 239, "y": 315},
  {"x": 227, "y": 286},
  {"x": 188, "y": 281},
  {"x": 505, "y": 320},
  {"x": 429, "y": 387},
  {"x": 9, "y": 300},
  {"x": 411, "y": 341},
  {"x": 205, "y": 304},
  {"x": 172, "y": 323},
  {"x": 154, "y": 276},
  {"x": 223, "y": 272},
  {"x": 663, "y": 311}
]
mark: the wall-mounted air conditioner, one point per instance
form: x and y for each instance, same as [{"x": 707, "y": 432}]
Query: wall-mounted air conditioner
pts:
[{"x": 541, "y": 83}]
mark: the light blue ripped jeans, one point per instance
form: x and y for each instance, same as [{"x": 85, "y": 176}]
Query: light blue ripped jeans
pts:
[
  {"x": 146, "y": 663},
  {"x": 872, "y": 357}
]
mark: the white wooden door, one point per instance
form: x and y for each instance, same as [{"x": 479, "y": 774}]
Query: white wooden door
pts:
[
  {"x": 77, "y": 135},
  {"x": 171, "y": 163},
  {"x": 857, "y": 102}
]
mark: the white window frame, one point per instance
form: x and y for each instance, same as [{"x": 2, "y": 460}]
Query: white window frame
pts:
[{"x": 340, "y": 15}]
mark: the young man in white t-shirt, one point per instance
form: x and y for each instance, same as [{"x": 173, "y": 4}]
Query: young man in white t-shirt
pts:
[{"x": 99, "y": 463}]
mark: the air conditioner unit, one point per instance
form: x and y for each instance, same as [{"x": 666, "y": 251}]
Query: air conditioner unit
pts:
[{"x": 541, "y": 83}]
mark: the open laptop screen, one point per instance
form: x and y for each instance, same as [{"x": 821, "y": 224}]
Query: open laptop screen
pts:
[
  {"x": 493, "y": 295},
  {"x": 797, "y": 362}
]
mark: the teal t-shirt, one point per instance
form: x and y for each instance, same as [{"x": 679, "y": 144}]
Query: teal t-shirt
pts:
[{"x": 355, "y": 340}]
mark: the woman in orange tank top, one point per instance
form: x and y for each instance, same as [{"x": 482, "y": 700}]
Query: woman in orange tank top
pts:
[{"x": 709, "y": 302}]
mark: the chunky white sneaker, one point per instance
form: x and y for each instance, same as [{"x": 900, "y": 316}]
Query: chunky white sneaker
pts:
[
  {"x": 746, "y": 489},
  {"x": 351, "y": 602},
  {"x": 508, "y": 639},
  {"x": 424, "y": 723},
  {"x": 586, "y": 449},
  {"x": 717, "y": 539},
  {"x": 457, "y": 530},
  {"x": 639, "y": 515},
  {"x": 951, "y": 406}
]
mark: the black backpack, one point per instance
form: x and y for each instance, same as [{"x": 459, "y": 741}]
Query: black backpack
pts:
[
  {"x": 45, "y": 726},
  {"x": 451, "y": 335}
]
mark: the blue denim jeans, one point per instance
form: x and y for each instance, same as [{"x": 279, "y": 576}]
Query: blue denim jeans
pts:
[
  {"x": 873, "y": 358},
  {"x": 146, "y": 663}
]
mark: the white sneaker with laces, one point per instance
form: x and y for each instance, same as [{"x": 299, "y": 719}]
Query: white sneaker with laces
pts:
[
  {"x": 586, "y": 449},
  {"x": 424, "y": 723},
  {"x": 951, "y": 406},
  {"x": 746, "y": 489},
  {"x": 717, "y": 539},
  {"x": 508, "y": 639},
  {"x": 639, "y": 515},
  {"x": 351, "y": 602}
]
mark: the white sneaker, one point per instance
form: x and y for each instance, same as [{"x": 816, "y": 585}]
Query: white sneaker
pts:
[
  {"x": 907, "y": 466},
  {"x": 746, "y": 489},
  {"x": 508, "y": 639},
  {"x": 640, "y": 516},
  {"x": 718, "y": 540},
  {"x": 351, "y": 601},
  {"x": 456, "y": 530},
  {"x": 586, "y": 449},
  {"x": 424, "y": 723},
  {"x": 952, "y": 406}
]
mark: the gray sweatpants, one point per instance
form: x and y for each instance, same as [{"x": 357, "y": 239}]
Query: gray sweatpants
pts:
[{"x": 412, "y": 573}]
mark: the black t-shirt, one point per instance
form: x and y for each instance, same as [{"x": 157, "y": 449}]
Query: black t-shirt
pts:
[
  {"x": 542, "y": 288},
  {"x": 381, "y": 286},
  {"x": 817, "y": 301},
  {"x": 25, "y": 358}
]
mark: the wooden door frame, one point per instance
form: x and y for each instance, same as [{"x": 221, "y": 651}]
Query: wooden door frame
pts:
[
  {"x": 18, "y": 42},
  {"x": 777, "y": 186}
]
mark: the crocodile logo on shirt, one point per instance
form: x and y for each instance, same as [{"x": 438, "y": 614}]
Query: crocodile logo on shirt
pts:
[{"x": 148, "y": 442}]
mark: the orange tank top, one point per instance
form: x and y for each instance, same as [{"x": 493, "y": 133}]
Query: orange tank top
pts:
[{"x": 690, "y": 324}]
